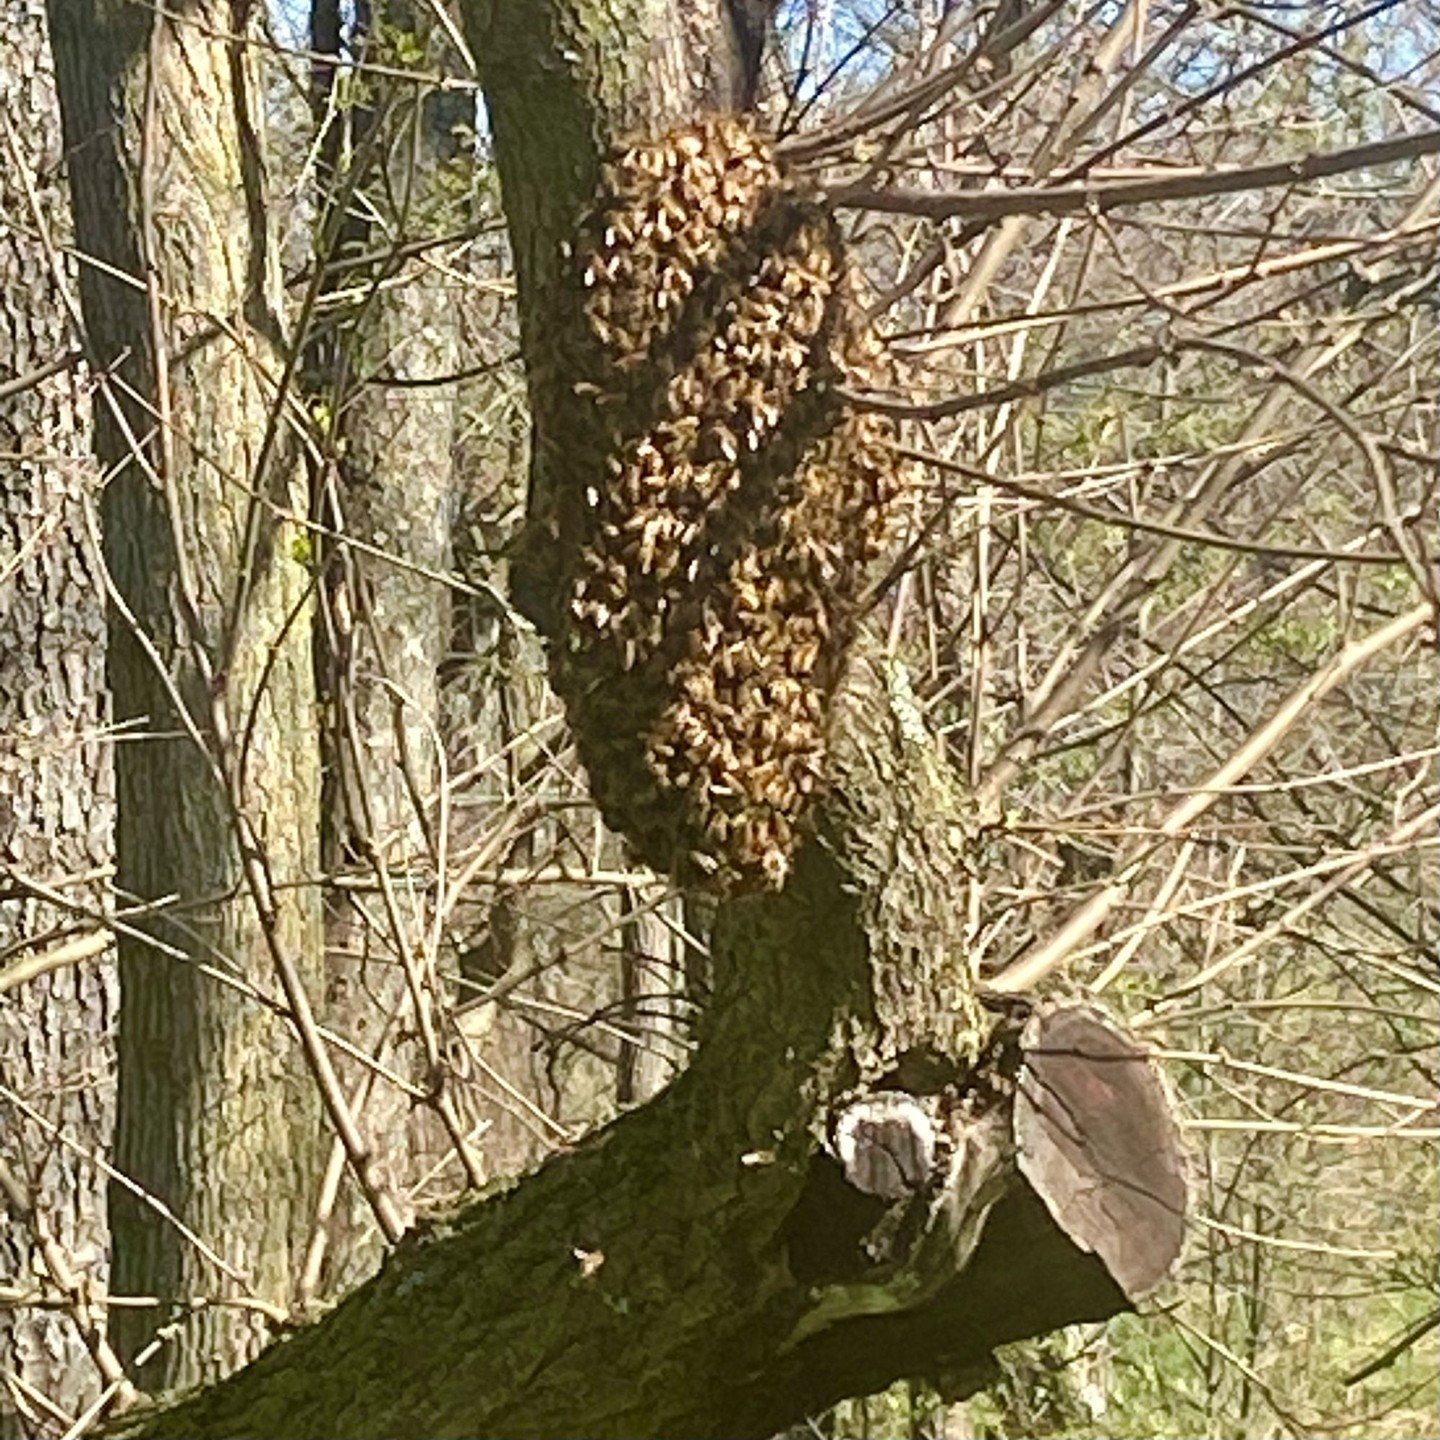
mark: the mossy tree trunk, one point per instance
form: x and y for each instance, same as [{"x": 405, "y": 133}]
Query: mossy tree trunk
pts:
[
  {"x": 700, "y": 1267},
  {"x": 209, "y": 667},
  {"x": 858, "y": 1177}
]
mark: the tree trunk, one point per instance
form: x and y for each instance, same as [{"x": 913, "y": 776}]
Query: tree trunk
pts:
[
  {"x": 57, "y": 984},
  {"x": 383, "y": 371},
  {"x": 707, "y": 1265},
  {"x": 209, "y": 666},
  {"x": 652, "y": 995},
  {"x": 387, "y": 376},
  {"x": 862, "y": 1175}
]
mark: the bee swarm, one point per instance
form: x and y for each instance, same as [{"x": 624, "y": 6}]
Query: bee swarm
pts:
[{"x": 722, "y": 556}]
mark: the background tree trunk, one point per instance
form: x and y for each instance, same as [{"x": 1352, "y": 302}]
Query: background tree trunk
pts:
[
  {"x": 57, "y": 984},
  {"x": 382, "y": 372},
  {"x": 218, "y": 1121}
]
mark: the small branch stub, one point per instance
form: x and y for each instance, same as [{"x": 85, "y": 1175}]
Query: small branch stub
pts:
[
  {"x": 1044, "y": 1187},
  {"x": 886, "y": 1146}
]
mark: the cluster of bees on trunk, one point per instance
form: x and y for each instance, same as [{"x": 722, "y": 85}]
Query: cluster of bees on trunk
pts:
[{"x": 724, "y": 546}]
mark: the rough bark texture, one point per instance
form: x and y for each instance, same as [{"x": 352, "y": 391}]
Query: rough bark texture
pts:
[
  {"x": 217, "y": 1117},
  {"x": 56, "y": 788},
  {"x": 834, "y": 1194},
  {"x": 700, "y": 1267},
  {"x": 697, "y": 1269}
]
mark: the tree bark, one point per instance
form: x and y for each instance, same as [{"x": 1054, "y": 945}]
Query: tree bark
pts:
[
  {"x": 210, "y": 669},
  {"x": 382, "y": 372},
  {"x": 664, "y": 1280},
  {"x": 703, "y": 1266},
  {"x": 387, "y": 379},
  {"x": 56, "y": 782}
]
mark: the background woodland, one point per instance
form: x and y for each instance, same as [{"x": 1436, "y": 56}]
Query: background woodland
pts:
[{"x": 1157, "y": 282}]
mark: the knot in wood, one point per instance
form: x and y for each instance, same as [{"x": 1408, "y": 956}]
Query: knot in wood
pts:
[{"x": 886, "y": 1145}]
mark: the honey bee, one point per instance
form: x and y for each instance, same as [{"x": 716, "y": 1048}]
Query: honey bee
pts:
[{"x": 715, "y": 563}]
